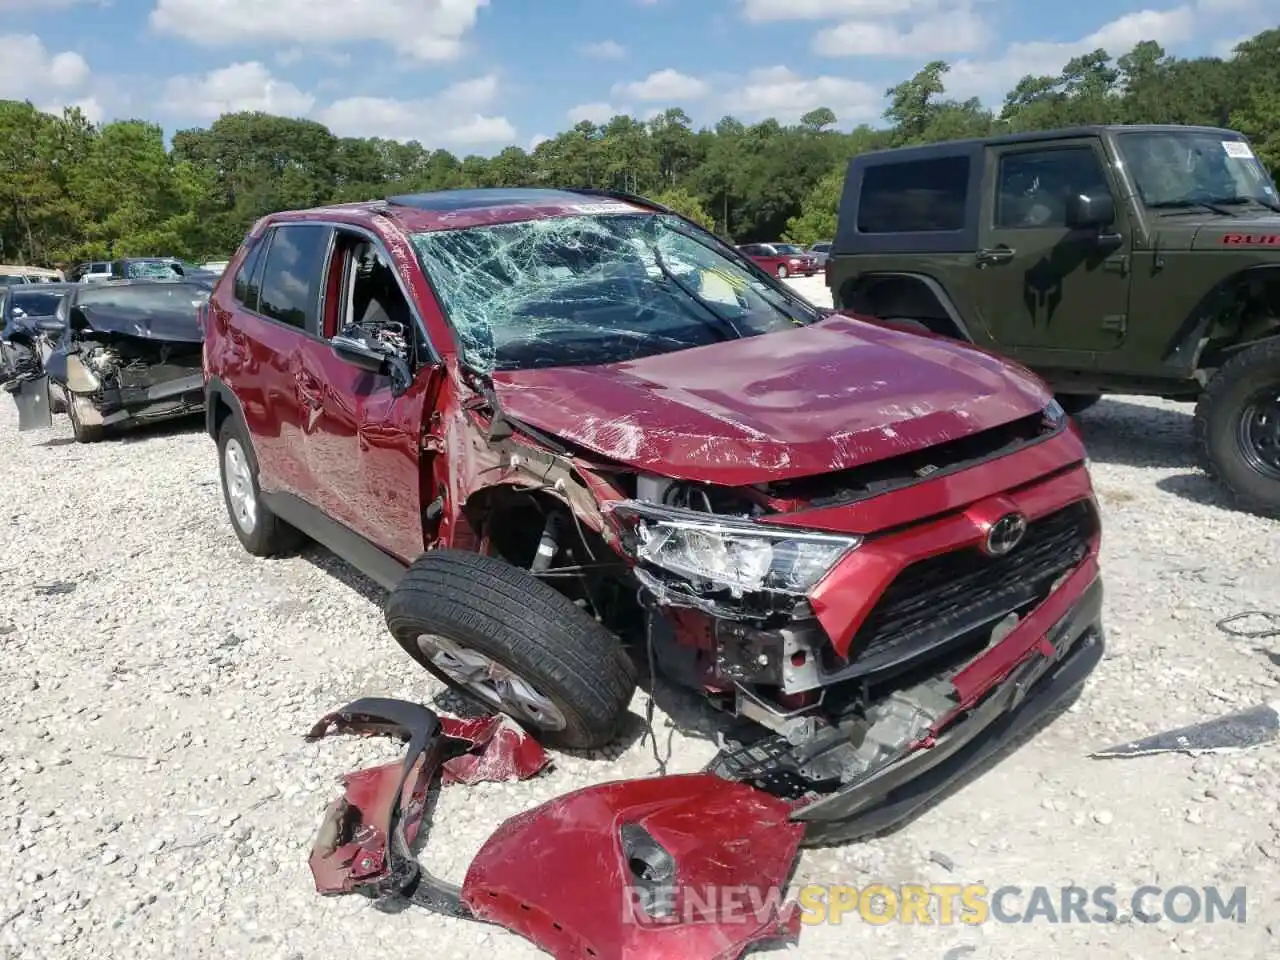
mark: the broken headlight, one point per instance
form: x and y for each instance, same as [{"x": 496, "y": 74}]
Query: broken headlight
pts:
[{"x": 733, "y": 554}]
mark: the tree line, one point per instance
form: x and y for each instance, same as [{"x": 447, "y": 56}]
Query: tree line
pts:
[{"x": 73, "y": 191}]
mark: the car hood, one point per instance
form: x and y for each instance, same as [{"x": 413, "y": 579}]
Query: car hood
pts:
[
  {"x": 803, "y": 402},
  {"x": 142, "y": 324}
]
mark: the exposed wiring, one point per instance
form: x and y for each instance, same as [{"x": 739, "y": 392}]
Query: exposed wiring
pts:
[
  {"x": 1226, "y": 625},
  {"x": 649, "y": 733}
]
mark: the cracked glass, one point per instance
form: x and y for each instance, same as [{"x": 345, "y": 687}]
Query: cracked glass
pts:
[{"x": 589, "y": 290}]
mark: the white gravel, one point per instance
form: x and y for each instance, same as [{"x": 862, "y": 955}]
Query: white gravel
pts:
[{"x": 159, "y": 801}]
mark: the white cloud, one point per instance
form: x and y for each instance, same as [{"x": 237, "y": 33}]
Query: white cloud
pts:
[
  {"x": 457, "y": 116},
  {"x": 536, "y": 140},
  {"x": 952, "y": 31},
  {"x": 429, "y": 30},
  {"x": 780, "y": 92},
  {"x": 291, "y": 56},
  {"x": 596, "y": 112},
  {"x": 666, "y": 85},
  {"x": 603, "y": 50},
  {"x": 231, "y": 89},
  {"x": 29, "y": 71},
  {"x": 991, "y": 79},
  {"x": 764, "y": 11}
]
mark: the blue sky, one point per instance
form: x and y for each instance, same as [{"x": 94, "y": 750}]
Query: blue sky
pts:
[{"x": 476, "y": 75}]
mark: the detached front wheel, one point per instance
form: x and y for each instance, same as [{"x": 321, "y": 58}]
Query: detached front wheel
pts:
[
  {"x": 1237, "y": 425},
  {"x": 512, "y": 644}
]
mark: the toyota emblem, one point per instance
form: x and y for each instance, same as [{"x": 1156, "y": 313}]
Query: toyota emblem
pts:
[{"x": 1005, "y": 534}]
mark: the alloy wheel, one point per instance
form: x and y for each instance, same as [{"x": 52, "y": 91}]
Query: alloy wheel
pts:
[{"x": 494, "y": 683}]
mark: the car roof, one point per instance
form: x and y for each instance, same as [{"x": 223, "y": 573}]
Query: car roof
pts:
[
  {"x": 951, "y": 147},
  {"x": 453, "y": 209}
]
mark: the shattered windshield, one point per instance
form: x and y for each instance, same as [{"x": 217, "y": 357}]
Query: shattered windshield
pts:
[
  {"x": 587, "y": 290},
  {"x": 1178, "y": 169},
  {"x": 160, "y": 269}
]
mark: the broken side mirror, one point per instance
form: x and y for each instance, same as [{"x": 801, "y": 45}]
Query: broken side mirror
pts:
[
  {"x": 361, "y": 353},
  {"x": 1090, "y": 211}
]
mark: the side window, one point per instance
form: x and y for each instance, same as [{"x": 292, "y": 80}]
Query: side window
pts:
[
  {"x": 918, "y": 196},
  {"x": 369, "y": 303},
  {"x": 294, "y": 275},
  {"x": 1033, "y": 187},
  {"x": 247, "y": 277}
]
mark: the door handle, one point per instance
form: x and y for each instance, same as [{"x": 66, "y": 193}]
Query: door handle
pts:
[{"x": 990, "y": 255}]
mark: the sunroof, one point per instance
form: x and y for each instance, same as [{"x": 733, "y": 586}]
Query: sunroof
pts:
[{"x": 447, "y": 200}]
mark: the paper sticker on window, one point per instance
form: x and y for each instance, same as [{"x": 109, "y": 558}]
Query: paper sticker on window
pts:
[{"x": 1238, "y": 149}]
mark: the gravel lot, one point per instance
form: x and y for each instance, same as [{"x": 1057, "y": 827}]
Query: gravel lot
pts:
[{"x": 159, "y": 800}]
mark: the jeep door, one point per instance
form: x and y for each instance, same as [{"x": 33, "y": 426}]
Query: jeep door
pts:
[
  {"x": 364, "y": 443},
  {"x": 1052, "y": 294}
]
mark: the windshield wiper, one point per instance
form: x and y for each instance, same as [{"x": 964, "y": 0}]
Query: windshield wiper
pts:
[
  {"x": 1240, "y": 201},
  {"x": 1211, "y": 205},
  {"x": 722, "y": 322}
]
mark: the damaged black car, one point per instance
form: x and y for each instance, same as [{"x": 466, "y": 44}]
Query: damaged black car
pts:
[{"x": 118, "y": 354}]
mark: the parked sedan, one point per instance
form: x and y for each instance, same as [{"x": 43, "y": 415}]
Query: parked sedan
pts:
[{"x": 781, "y": 259}]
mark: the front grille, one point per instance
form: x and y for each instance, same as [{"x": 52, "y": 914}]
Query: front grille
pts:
[{"x": 937, "y": 601}]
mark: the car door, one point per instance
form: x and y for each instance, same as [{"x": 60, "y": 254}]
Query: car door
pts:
[
  {"x": 364, "y": 444},
  {"x": 1042, "y": 287},
  {"x": 279, "y": 295}
]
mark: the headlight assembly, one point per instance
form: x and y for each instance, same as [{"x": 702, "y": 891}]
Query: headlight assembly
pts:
[
  {"x": 737, "y": 555},
  {"x": 1054, "y": 413}
]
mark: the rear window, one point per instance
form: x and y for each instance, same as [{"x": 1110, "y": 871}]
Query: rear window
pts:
[{"x": 918, "y": 196}]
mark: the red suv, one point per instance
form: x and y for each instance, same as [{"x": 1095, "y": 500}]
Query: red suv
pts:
[
  {"x": 573, "y": 434},
  {"x": 782, "y": 259}
]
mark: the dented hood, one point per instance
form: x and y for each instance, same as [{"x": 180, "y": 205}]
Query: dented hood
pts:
[{"x": 803, "y": 402}]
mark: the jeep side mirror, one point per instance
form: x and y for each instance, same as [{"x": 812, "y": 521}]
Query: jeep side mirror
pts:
[
  {"x": 360, "y": 353},
  {"x": 1087, "y": 211}
]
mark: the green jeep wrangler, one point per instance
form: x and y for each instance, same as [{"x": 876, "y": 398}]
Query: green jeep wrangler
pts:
[{"x": 1116, "y": 259}]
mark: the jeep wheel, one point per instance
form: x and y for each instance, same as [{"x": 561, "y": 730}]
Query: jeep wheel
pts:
[
  {"x": 78, "y": 410},
  {"x": 782, "y": 272},
  {"x": 512, "y": 644},
  {"x": 1237, "y": 427},
  {"x": 259, "y": 530},
  {"x": 1074, "y": 403}
]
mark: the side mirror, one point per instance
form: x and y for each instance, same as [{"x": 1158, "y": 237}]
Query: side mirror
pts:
[
  {"x": 1086, "y": 211},
  {"x": 49, "y": 325},
  {"x": 360, "y": 353}
]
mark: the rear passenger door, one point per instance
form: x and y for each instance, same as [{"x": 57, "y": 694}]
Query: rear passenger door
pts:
[{"x": 279, "y": 294}]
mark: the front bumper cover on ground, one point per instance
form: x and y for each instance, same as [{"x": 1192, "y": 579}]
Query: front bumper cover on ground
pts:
[{"x": 619, "y": 870}]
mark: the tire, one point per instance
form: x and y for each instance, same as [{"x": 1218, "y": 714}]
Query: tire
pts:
[
  {"x": 83, "y": 432},
  {"x": 1074, "y": 403},
  {"x": 1242, "y": 383},
  {"x": 782, "y": 272},
  {"x": 262, "y": 533},
  {"x": 483, "y": 605}
]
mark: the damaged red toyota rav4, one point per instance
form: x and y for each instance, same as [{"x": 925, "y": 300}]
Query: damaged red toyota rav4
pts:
[{"x": 573, "y": 433}]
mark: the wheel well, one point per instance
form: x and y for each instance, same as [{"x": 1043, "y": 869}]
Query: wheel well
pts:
[
  {"x": 511, "y": 522},
  {"x": 899, "y": 296},
  {"x": 221, "y": 410}
]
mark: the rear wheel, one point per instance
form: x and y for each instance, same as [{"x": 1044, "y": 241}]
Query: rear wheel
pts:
[
  {"x": 1074, "y": 403},
  {"x": 782, "y": 272},
  {"x": 512, "y": 644},
  {"x": 259, "y": 530},
  {"x": 1237, "y": 427}
]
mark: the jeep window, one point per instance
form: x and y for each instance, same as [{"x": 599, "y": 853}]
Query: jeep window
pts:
[
  {"x": 293, "y": 275},
  {"x": 916, "y": 196},
  {"x": 586, "y": 290},
  {"x": 1035, "y": 185},
  {"x": 1180, "y": 169}
]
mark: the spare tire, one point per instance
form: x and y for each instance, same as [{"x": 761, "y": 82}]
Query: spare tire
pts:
[{"x": 512, "y": 644}]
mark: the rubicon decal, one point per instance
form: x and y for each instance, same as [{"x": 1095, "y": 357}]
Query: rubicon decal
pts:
[{"x": 1251, "y": 240}]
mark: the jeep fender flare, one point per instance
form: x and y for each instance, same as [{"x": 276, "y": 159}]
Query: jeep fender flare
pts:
[
  {"x": 1185, "y": 349},
  {"x": 929, "y": 285}
]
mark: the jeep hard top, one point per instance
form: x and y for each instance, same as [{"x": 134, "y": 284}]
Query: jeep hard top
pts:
[
  {"x": 1108, "y": 259},
  {"x": 573, "y": 434}
]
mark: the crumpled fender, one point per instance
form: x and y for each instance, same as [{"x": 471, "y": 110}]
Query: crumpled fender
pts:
[{"x": 630, "y": 870}]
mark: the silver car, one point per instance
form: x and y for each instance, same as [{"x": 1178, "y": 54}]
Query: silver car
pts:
[{"x": 820, "y": 252}]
